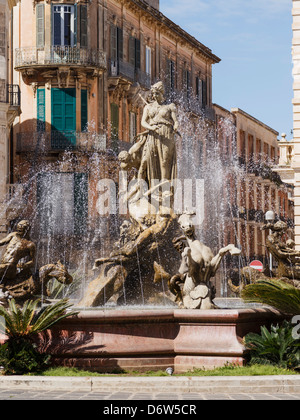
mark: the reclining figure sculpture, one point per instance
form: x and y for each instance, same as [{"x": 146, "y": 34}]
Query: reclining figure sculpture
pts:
[{"x": 17, "y": 277}]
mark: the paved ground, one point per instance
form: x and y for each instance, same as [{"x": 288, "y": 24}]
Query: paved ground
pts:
[
  {"x": 127, "y": 391},
  {"x": 25, "y": 394}
]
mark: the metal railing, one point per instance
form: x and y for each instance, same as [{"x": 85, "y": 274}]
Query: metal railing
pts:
[
  {"x": 53, "y": 141},
  {"x": 13, "y": 95},
  {"x": 62, "y": 55},
  {"x": 143, "y": 78},
  {"x": 120, "y": 68}
]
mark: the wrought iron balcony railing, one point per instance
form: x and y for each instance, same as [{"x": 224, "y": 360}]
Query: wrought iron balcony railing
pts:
[
  {"x": 12, "y": 96},
  {"x": 59, "y": 55},
  {"x": 144, "y": 79},
  {"x": 120, "y": 68}
]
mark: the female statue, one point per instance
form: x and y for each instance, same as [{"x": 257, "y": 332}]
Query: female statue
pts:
[{"x": 159, "y": 152}]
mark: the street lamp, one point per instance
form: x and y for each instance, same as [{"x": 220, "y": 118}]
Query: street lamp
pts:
[{"x": 270, "y": 218}]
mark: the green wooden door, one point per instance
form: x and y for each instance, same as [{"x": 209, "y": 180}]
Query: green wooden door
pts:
[{"x": 63, "y": 118}]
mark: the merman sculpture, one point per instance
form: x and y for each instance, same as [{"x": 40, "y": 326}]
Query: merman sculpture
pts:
[
  {"x": 282, "y": 250},
  {"x": 17, "y": 277}
]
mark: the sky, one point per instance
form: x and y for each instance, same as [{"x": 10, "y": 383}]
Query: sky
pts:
[{"x": 253, "y": 38}]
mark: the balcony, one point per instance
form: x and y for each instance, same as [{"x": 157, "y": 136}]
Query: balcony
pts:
[
  {"x": 121, "y": 69},
  {"x": 122, "y": 72},
  {"x": 31, "y": 61},
  {"x": 58, "y": 141},
  {"x": 12, "y": 97}
]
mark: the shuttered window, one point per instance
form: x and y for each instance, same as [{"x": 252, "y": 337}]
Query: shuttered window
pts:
[
  {"x": 83, "y": 25},
  {"x": 132, "y": 127},
  {"x": 171, "y": 75},
  {"x": 41, "y": 109},
  {"x": 40, "y": 25},
  {"x": 186, "y": 82},
  {"x": 204, "y": 93},
  {"x": 84, "y": 110},
  {"x": 135, "y": 52},
  {"x": 199, "y": 89},
  {"x": 114, "y": 110},
  {"x": 116, "y": 43},
  {"x": 148, "y": 61}
]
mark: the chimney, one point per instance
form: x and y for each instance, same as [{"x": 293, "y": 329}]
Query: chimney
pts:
[{"x": 153, "y": 3}]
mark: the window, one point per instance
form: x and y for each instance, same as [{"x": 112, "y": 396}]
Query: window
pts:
[
  {"x": 63, "y": 24},
  {"x": 116, "y": 43},
  {"x": 204, "y": 93},
  {"x": 40, "y": 25},
  {"x": 148, "y": 61},
  {"x": 114, "y": 110},
  {"x": 199, "y": 90},
  {"x": 41, "y": 109},
  {"x": 132, "y": 128},
  {"x": 62, "y": 200},
  {"x": 84, "y": 110},
  {"x": 186, "y": 82},
  {"x": 135, "y": 52},
  {"x": 171, "y": 75}
]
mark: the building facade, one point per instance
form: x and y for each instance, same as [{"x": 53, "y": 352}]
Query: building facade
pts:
[
  {"x": 85, "y": 70},
  {"x": 251, "y": 149},
  {"x": 289, "y": 163},
  {"x": 9, "y": 106}
]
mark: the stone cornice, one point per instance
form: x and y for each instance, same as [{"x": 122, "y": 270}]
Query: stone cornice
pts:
[
  {"x": 240, "y": 111},
  {"x": 166, "y": 24}
]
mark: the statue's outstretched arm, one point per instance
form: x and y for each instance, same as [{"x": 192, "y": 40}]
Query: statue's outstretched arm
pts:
[{"x": 6, "y": 240}]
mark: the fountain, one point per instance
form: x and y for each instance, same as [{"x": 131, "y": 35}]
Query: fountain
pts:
[
  {"x": 150, "y": 303},
  {"x": 282, "y": 250}
]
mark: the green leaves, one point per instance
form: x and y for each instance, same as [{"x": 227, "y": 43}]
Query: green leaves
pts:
[
  {"x": 276, "y": 293},
  {"x": 19, "y": 354},
  {"x": 26, "y": 321},
  {"x": 275, "y": 347}
]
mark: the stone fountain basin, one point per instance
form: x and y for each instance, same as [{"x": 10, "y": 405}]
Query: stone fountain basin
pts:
[{"x": 141, "y": 339}]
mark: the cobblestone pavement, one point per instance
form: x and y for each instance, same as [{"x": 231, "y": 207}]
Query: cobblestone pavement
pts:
[{"x": 25, "y": 394}]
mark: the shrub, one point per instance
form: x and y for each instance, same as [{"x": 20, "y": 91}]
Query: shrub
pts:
[
  {"x": 276, "y": 347},
  {"x": 19, "y": 354}
]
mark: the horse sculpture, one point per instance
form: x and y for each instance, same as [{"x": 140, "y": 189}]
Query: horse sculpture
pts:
[{"x": 201, "y": 265}]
